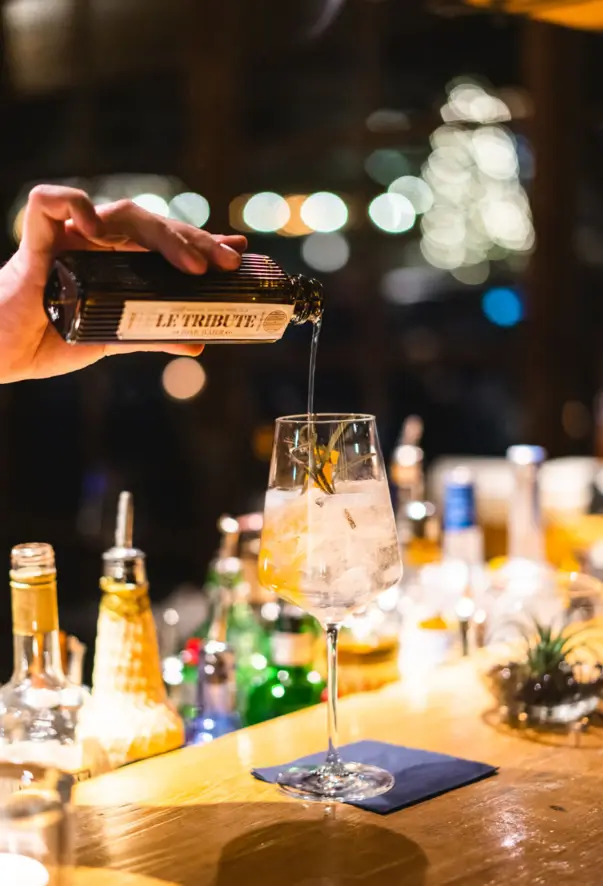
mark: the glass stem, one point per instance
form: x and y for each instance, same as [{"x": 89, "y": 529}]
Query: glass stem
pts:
[{"x": 332, "y": 637}]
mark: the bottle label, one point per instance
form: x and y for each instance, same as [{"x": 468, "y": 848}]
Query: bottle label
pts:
[
  {"x": 202, "y": 321},
  {"x": 293, "y": 650},
  {"x": 459, "y": 506},
  {"x": 34, "y": 608}
]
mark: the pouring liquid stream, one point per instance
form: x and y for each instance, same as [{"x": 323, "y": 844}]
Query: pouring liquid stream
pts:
[
  {"x": 311, "y": 377},
  {"x": 312, "y": 370}
]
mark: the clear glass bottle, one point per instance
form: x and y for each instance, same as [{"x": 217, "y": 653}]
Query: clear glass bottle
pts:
[
  {"x": 525, "y": 587},
  {"x": 139, "y": 296},
  {"x": 406, "y": 471},
  {"x": 525, "y": 531},
  {"x": 39, "y": 707}
]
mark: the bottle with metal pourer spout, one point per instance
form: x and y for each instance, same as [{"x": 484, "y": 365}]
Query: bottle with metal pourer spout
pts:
[{"x": 129, "y": 712}]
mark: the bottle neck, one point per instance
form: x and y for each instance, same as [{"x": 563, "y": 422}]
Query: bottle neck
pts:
[
  {"x": 126, "y": 600},
  {"x": 37, "y": 657},
  {"x": 222, "y": 604},
  {"x": 525, "y": 533},
  {"x": 36, "y": 642}
]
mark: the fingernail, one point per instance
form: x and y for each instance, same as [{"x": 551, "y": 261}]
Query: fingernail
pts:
[
  {"x": 230, "y": 258},
  {"x": 114, "y": 238}
]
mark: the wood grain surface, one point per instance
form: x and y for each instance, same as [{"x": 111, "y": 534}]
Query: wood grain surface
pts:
[{"x": 196, "y": 817}]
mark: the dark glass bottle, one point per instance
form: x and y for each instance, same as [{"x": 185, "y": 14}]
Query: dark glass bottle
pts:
[
  {"x": 290, "y": 682},
  {"x": 106, "y": 297}
]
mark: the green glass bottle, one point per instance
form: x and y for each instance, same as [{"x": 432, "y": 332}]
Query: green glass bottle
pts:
[{"x": 290, "y": 681}]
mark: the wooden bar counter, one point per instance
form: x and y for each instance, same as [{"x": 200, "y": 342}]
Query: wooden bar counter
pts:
[{"x": 196, "y": 817}]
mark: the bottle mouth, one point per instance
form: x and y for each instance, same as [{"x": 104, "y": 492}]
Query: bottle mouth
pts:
[
  {"x": 32, "y": 558},
  {"x": 311, "y": 292}
]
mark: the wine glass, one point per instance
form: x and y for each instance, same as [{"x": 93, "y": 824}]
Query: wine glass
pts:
[{"x": 329, "y": 546}]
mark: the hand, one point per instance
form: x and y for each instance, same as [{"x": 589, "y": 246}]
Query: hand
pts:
[{"x": 57, "y": 219}]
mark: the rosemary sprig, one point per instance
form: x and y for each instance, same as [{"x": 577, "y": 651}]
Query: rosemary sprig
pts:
[{"x": 314, "y": 460}]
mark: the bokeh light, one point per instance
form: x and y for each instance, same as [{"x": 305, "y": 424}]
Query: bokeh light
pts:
[
  {"x": 410, "y": 286},
  {"x": 387, "y": 120},
  {"x": 502, "y": 306},
  {"x": 295, "y": 226},
  {"x": 480, "y": 212},
  {"x": 183, "y": 378},
  {"x": 325, "y": 252},
  {"x": 470, "y": 102},
  {"x": 152, "y": 203},
  {"x": 266, "y": 212},
  {"x": 414, "y": 189},
  {"x": 190, "y": 208},
  {"x": 386, "y": 164},
  {"x": 324, "y": 212},
  {"x": 472, "y": 275},
  {"x": 392, "y": 213}
]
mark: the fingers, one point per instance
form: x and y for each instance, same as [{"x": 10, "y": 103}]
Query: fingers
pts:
[
  {"x": 57, "y": 218},
  {"x": 177, "y": 350},
  {"x": 186, "y": 247},
  {"x": 48, "y": 208},
  {"x": 236, "y": 241}
]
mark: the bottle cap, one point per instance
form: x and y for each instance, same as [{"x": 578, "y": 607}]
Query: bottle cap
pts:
[
  {"x": 124, "y": 562},
  {"x": 526, "y": 455}
]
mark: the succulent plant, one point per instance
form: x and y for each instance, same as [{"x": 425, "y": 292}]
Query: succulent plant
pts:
[
  {"x": 550, "y": 647},
  {"x": 545, "y": 678}
]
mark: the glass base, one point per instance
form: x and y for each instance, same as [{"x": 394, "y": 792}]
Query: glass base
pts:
[{"x": 331, "y": 782}]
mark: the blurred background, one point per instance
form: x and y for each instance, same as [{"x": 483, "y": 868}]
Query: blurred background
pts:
[{"x": 436, "y": 164}]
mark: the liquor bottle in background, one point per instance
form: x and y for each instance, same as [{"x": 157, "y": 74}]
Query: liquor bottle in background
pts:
[
  {"x": 290, "y": 682},
  {"x": 40, "y": 710},
  {"x": 421, "y": 542},
  {"x": 245, "y": 631},
  {"x": 139, "y": 296},
  {"x": 215, "y": 711},
  {"x": 462, "y": 537},
  {"x": 524, "y": 587},
  {"x": 406, "y": 471},
  {"x": 168, "y": 636},
  {"x": 525, "y": 531},
  {"x": 129, "y": 712}
]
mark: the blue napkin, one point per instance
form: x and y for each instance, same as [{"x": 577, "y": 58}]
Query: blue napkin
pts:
[{"x": 419, "y": 775}]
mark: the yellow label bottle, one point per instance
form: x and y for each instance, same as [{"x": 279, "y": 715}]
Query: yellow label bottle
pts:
[{"x": 40, "y": 709}]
